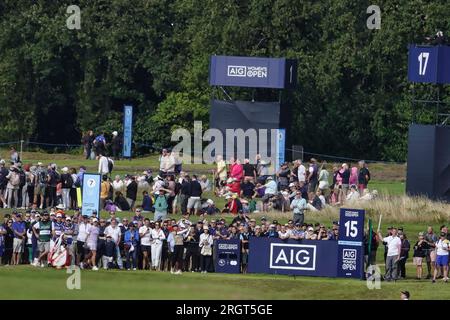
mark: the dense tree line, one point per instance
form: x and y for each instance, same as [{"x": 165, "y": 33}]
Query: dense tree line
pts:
[{"x": 353, "y": 96}]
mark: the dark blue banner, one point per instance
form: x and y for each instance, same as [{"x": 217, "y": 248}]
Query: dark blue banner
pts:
[
  {"x": 429, "y": 64},
  {"x": 293, "y": 257},
  {"x": 91, "y": 194},
  {"x": 228, "y": 256},
  {"x": 351, "y": 237},
  {"x": 127, "y": 130},
  {"x": 277, "y": 73}
]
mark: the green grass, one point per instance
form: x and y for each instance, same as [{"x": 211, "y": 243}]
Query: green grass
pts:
[
  {"x": 26, "y": 282},
  {"x": 388, "y": 187}
]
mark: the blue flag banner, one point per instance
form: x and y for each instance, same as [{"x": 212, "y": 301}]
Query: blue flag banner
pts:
[
  {"x": 228, "y": 255},
  {"x": 429, "y": 64},
  {"x": 91, "y": 194},
  {"x": 127, "y": 130},
  {"x": 351, "y": 243},
  {"x": 280, "y": 148},
  {"x": 277, "y": 73}
]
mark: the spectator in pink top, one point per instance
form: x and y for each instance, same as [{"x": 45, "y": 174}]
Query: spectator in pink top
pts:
[
  {"x": 237, "y": 171},
  {"x": 353, "y": 176}
]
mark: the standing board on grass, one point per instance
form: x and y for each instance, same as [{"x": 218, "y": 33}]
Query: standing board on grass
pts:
[
  {"x": 91, "y": 194},
  {"x": 351, "y": 243}
]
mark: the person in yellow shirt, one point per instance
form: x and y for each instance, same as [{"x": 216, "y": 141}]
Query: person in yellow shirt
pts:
[{"x": 104, "y": 191}]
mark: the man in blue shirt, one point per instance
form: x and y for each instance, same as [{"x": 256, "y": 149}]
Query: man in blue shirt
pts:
[
  {"x": 146, "y": 203},
  {"x": 19, "y": 229}
]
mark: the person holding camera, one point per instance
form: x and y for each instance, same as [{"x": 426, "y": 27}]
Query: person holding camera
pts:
[
  {"x": 157, "y": 236},
  {"x": 322, "y": 234},
  {"x": 205, "y": 243},
  {"x": 145, "y": 235},
  {"x": 178, "y": 248}
]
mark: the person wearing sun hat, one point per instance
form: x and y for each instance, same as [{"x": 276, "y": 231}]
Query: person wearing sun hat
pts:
[{"x": 205, "y": 243}]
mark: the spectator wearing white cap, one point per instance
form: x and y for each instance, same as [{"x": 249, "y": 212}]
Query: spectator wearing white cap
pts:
[
  {"x": 205, "y": 244},
  {"x": 310, "y": 234},
  {"x": 115, "y": 233},
  {"x": 116, "y": 145},
  {"x": 210, "y": 208}
]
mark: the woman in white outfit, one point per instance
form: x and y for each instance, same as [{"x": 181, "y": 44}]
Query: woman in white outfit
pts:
[{"x": 157, "y": 236}]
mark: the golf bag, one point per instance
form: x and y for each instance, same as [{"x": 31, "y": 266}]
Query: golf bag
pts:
[{"x": 58, "y": 256}]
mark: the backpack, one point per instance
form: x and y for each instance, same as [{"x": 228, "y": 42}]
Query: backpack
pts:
[
  {"x": 110, "y": 165},
  {"x": 177, "y": 188},
  {"x": 55, "y": 177},
  {"x": 42, "y": 177},
  {"x": 99, "y": 140},
  {"x": 15, "y": 179},
  {"x": 22, "y": 178},
  {"x": 79, "y": 180}
]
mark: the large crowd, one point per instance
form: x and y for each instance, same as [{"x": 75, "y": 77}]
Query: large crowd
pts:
[{"x": 46, "y": 213}]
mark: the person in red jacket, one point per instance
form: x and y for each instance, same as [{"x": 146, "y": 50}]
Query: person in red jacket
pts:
[{"x": 234, "y": 185}]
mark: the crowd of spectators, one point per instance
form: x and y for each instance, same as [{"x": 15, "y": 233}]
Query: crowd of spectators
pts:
[{"x": 138, "y": 242}]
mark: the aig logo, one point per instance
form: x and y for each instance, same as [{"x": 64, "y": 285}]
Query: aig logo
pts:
[
  {"x": 249, "y": 72},
  {"x": 349, "y": 254},
  {"x": 292, "y": 256},
  {"x": 237, "y": 71}
]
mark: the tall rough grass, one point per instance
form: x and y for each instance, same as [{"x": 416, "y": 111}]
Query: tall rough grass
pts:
[{"x": 393, "y": 208}]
